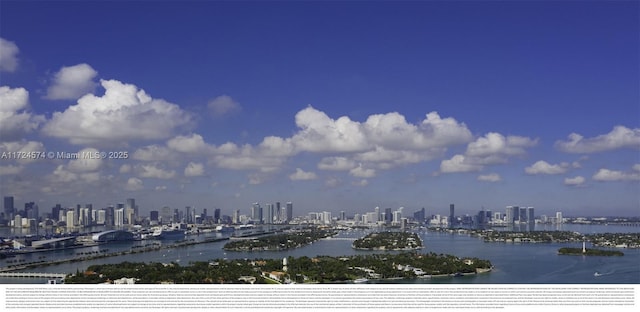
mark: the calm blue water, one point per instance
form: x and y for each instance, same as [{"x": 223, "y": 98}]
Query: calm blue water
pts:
[{"x": 514, "y": 263}]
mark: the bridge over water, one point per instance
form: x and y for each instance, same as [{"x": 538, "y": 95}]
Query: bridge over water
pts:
[{"x": 32, "y": 275}]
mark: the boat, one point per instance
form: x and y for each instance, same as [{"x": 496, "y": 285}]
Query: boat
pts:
[
  {"x": 361, "y": 280},
  {"x": 597, "y": 274},
  {"x": 168, "y": 233},
  {"x": 224, "y": 229}
]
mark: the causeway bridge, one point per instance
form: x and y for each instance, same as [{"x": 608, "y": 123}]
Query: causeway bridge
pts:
[{"x": 32, "y": 274}]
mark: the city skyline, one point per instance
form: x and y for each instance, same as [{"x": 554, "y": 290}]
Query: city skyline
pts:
[{"x": 335, "y": 106}]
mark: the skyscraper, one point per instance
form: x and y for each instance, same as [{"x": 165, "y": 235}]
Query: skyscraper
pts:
[
  {"x": 9, "y": 209},
  {"x": 289, "y": 211},
  {"x": 131, "y": 209},
  {"x": 523, "y": 215},
  {"x": 509, "y": 215},
  {"x": 530, "y": 215},
  {"x": 452, "y": 216},
  {"x": 256, "y": 213},
  {"x": 516, "y": 214},
  {"x": 270, "y": 214},
  {"x": 216, "y": 215}
]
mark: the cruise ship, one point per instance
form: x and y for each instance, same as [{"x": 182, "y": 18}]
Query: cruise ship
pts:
[{"x": 168, "y": 233}]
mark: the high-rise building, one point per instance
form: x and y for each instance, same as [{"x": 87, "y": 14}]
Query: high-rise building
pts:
[
  {"x": 388, "y": 215},
  {"x": 71, "y": 218},
  {"x": 278, "y": 212},
  {"x": 516, "y": 214},
  {"x": 452, "y": 215},
  {"x": 216, "y": 215},
  {"x": 165, "y": 214},
  {"x": 270, "y": 214},
  {"x": 559, "y": 218},
  {"x": 31, "y": 211},
  {"x": 189, "y": 214},
  {"x": 523, "y": 215},
  {"x": 55, "y": 212},
  {"x": 343, "y": 215},
  {"x": 131, "y": 205},
  {"x": 256, "y": 213},
  {"x": 509, "y": 218},
  {"x": 289, "y": 215},
  {"x": 9, "y": 209},
  {"x": 119, "y": 217},
  {"x": 109, "y": 217},
  {"x": 154, "y": 215},
  {"x": 530, "y": 215}
]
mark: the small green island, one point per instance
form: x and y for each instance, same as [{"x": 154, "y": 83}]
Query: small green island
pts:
[
  {"x": 388, "y": 241},
  {"x": 588, "y": 252},
  {"x": 276, "y": 242},
  {"x": 289, "y": 270}
]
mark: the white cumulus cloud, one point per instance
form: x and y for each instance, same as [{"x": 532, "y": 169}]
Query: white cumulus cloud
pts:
[
  {"x": 8, "y": 55},
  {"x": 193, "y": 143},
  {"x": 86, "y": 161},
  {"x": 458, "y": 163},
  {"x": 194, "y": 169},
  {"x": 15, "y": 121},
  {"x": 575, "y": 181},
  {"x": 72, "y": 82},
  {"x": 336, "y": 163},
  {"x": 543, "y": 167},
  {"x": 10, "y": 170},
  {"x": 619, "y": 137},
  {"x": 152, "y": 171},
  {"x": 491, "y": 177},
  {"x": 319, "y": 133},
  {"x": 615, "y": 175},
  {"x": 491, "y": 149},
  {"x": 134, "y": 184},
  {"x": 223, "y": 105},
  {"x": 362, "y": 172},
  {"x": 124, "y": 113},
  {"x": 301, "y": 175}
]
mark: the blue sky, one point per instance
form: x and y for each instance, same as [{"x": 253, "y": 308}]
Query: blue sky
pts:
[{"x": 331, "y": 105}]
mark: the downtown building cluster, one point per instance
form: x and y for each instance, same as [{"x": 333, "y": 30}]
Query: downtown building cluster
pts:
[{"x": 128, "y": 214}]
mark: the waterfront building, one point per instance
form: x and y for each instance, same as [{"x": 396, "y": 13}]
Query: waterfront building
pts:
[
  {"x": 559, "y": 218},
  {"x": 452, "y": 214},
  {"x": 343, "y": 215},
  {"x": 326, "y": 217},
  {"x": 109, "y": 216},
  {"x": 278, "y": 212},
  {"x": 530, "y": 215},
  {"x": 509, "y": 215},
  {"x": 131, "y": 206},
  {"x": 420, "y": 215},
  {"x": 9, "y": 209},
  {"x": 523, "y": 215},
  {"x": 270, "y": 214},
  {"x": 217, "y": 215},
  {"x": 388, "y": 215},
  {"x": 289, "y": 215},
  {"x": 71, "y": 218},
  {"x": 154, "y": 215},
  {"x": 497, "y": 216},
  {"x": 397, "y": 216},
  {"x": 256, "y": 213},
  {"x": 516, "y": 214},
  {"x": 188, "y": 213},
  {"x": 100, "y": 216},
  {"x": 118, "y": 217}
]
